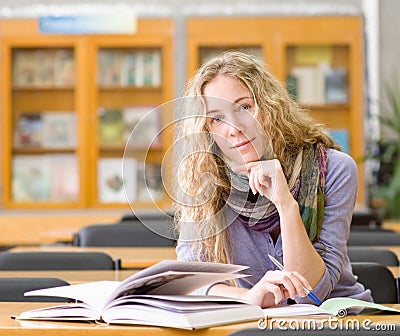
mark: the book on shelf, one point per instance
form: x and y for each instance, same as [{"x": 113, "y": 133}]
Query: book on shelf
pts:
[
  {"x": 291, "y": 86},
  {"x": 309, "y": 81},
  {"x": 31, "y": 178},
  {"x": 341, "y": 137},
  {"x": 160, "y": 295},
  {"x": 313, "y": 54},
  {"x": 44, "y": 67},
  {"x": 28, "y": 129},
  {"x": 109, "y": 67},
  {"x": 149, "y": 182},
  {"x": 151, "y": 68},
  {"x": 64, "y": 67},
  {"x": 157, "y": 295},
  {"x": 305, "y": 81},
  {"x": 318, "y": 84},
  {"x": 111, "y": 127},
  {"x": 59, "y": 129},
  {"x": 64, "y": 183},
  {"x": 336, "y": 85},
  {"x": 23, "y": 67},
  {"x": 141, "y": 126},
  {"x": 116, "y": 180},
  {"x": 45, "y": 178},
  {"x": 131, "y": 69}
]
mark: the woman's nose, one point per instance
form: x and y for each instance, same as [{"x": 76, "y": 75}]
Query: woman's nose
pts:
[{"x": 235, "y": 128}]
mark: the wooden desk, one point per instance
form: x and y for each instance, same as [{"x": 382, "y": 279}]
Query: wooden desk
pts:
[
  {"x": 131, "y": 257},
  {"x": 391, "y": 225},
  {"x": 395, "y": 271},
  {"x": 73, "y": 277},
  {"x": 12, "y": 327},
  {"x": 39, "y": 227}
]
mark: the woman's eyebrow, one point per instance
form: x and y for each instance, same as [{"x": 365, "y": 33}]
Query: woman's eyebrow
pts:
[
  {"x": 213, "y": 111},
  {"x": 241, "y": 98}
]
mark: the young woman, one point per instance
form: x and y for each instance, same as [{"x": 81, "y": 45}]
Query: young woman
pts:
[{"x": 256, "y": 177}]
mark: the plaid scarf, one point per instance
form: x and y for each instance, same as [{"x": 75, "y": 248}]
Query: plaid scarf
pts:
[{"x": 306, "y": 183}]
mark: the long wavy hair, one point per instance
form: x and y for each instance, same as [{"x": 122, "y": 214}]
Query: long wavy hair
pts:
[{"x": 201, "y": 174}]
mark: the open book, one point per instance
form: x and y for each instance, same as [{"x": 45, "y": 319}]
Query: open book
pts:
[{"x": 157, "y": 295}]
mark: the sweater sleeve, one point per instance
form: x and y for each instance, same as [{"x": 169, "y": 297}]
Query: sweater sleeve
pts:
[{"x": 340, "y": 197}]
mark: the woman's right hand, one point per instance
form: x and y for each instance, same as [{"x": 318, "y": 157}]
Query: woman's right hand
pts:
[{"x": 276, "y": 286}]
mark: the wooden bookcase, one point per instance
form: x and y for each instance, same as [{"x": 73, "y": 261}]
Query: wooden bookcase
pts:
[
  {"x": 288, "y": 43},
  {"x": 83, "y": 96}
]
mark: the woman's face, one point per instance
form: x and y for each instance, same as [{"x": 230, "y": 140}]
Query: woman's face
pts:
[{"x": 231, "y": 120}]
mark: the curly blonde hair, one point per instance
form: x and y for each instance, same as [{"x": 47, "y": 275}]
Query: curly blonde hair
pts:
[{"x": 202, "y": 173}]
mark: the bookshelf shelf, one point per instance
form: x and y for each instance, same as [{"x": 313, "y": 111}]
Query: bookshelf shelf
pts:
[
  {"x": 326, "y": 106},
  {"x": 46, "y": 78},
  {"x": 324, "y": 52},
  {"x": 130, "y": 88},
  {"x": 34, "y": 150},
  {"x": 43, "y": 88}
]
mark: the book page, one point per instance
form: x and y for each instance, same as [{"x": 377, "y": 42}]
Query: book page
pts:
[
  {"x": 171, "y": 282},
  {"x": 178, "y": 303},
  {"x": 70, "y": 312},
  {"x": 294, "y": 310},
  {"x": 179, "y": 266},
  {"x": 94, "y": 294},
  {"x": 334, "y": 305},
  {"x": 186, "y": 266}
]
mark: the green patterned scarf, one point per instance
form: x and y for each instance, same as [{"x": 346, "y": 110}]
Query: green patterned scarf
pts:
[{"x": 312, "y": 183}]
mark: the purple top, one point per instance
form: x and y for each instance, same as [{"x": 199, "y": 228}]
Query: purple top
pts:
[{"x": 251, "y": 247}]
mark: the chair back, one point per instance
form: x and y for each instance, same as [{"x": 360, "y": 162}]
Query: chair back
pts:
[
  {"x": 368, "y": 238},
  {"x": 13, "y": 289},
  {"x": 56, "y": 261},
  {"x": 365, "y": 220},
  {"x": 372, "y": 254},
  {"x": 379, "y": 279},
  {"x": 163, "y": 215},
  {"x": 127, "y": 233}
]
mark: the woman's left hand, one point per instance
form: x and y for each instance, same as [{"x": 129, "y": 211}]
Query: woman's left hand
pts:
[{"x": 267, "y": 178}]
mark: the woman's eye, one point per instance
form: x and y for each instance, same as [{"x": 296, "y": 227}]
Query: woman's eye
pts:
[
  {"x": 217, "y": 119},
  {"x": 245, "y": 107}
]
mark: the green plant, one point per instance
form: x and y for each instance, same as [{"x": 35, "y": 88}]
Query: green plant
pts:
[{"x": 389, "y": 190}]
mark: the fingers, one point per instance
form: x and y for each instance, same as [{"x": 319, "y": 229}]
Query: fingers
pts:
[
  {"x": 275, "y": 287},
  {"x": 259, "y": 173},
  {"x": 279, "y": 292},
  {"x": 284, "y": 284},
  {"x": 260, "y": 178}
]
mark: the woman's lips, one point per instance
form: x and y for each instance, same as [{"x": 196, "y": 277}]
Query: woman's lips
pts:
[{"x": 243, "y": 144}]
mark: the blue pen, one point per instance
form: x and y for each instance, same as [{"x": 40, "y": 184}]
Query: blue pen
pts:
[{"x": 308, "y": 292}]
